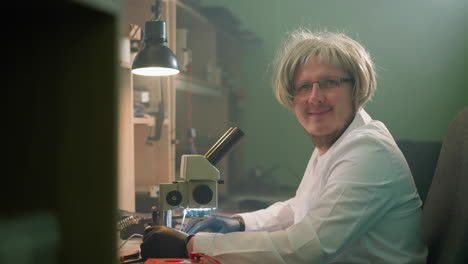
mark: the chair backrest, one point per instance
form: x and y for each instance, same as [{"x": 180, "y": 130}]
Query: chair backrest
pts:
[
  {"x": 445, "y": 213},
  {"x": 422, "y": 157}
]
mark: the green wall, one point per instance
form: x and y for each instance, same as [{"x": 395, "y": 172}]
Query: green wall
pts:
[{"x": 420, "y": 49}]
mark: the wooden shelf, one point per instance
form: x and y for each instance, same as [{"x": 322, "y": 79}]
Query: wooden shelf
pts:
[
  {"x": 200, "y": 100},
  {"x": 146, "y": 120}
]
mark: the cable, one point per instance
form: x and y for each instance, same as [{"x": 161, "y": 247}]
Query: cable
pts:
[
  {"x": 132, "y": 225},
  {"x": 126, "y": 222},
  {"x": 183, "y": 220},
  {"x": 194, "y": 255},
  {"x": 130, "y": 237}
]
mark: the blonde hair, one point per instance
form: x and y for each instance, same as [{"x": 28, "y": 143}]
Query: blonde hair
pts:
[{"x": 336, "y": 49}]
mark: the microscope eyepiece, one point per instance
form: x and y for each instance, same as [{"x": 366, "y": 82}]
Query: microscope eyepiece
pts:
[{"x": 224, "y": 145}]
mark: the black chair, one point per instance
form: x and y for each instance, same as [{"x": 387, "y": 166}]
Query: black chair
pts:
[
  {"x": 422, "y": 157},
  {"x": 445, "y": 212}
]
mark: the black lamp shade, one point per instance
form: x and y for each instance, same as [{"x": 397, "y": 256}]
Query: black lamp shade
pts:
[{"x": 155, "y": 59}]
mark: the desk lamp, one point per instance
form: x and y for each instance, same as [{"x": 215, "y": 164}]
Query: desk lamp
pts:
[{"x": 155, "y": 59}]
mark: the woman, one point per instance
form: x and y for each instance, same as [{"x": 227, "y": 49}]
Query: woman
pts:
[{"x": 357, "y": 202}]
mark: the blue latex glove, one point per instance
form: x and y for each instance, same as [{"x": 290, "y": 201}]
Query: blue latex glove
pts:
[{"x": 216, "y": 224}]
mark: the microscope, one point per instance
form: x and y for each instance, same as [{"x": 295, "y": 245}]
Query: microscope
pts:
[{"x": 198, "y": 188}]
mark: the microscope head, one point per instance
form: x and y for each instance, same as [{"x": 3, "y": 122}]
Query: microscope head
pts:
[{"x": 199, "y": 187}]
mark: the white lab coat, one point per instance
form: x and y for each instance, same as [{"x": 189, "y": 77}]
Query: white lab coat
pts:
[{"x": 357, "y": 203}]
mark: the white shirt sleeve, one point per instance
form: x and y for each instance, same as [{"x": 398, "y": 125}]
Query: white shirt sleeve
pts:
[
  {"x": 276, "y": 217},
  {"x": 362, "y": 187},
  {"x": 279, "y": 215}
]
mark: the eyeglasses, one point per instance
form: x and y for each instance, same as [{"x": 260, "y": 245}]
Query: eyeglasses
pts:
[{"x": 324, "y": 84}]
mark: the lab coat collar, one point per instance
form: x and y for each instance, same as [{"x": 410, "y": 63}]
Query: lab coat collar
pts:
[{"x": 361, "y": 118}]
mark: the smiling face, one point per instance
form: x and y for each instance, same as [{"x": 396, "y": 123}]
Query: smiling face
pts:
[{"x": 324, "y": 113}]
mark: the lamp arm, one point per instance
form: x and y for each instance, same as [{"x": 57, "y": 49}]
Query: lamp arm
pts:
[{"x": 157, "y": 10}]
